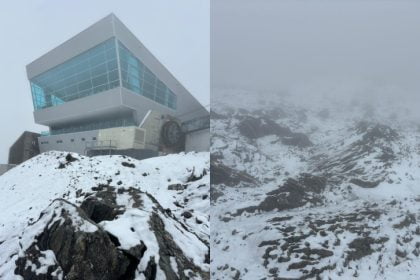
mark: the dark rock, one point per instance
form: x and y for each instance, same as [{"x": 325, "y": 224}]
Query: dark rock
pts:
[
  {"x": 127, "y": 164},
  {"x": 222, "y": 174},
  {"x": 297, "y": 139},
  {"x": 293, "y": 194},
  {"x": 70, "y": 158},
  {"x": 373, "y": 132},
  {"x": 269, "y": 243},
  {"x": 401, "y": 254},
  {"x": 408, "y": 220},
  {"x": 167, "y": 249},
  {"x": 193, "y": 177},
  {"x": 102, "y": 206},
  {"x": 33, "y": 254},
  {"x": 176, "y": 187},
  {"x": 99, "y": 210},
  {"x": 299, "y": 265},
  {"x": 186, "y": 214},
  {"x": 79, "y": 253},
  {"x": 361, "y": 247},
  {"x": 365, "y": 184},
  {"x": 283, "y": 259}
]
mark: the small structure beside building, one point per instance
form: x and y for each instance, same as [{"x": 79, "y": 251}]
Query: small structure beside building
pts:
[{"x": 25, "y": 147}]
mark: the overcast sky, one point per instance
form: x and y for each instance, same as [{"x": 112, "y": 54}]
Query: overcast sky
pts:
[
  {"x": 176, "y": 32},
  {"x": 361, "y": 46}
]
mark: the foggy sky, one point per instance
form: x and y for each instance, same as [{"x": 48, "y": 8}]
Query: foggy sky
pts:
[
  {"x": 177, "y": 33},
  {"x": 365, "y": 47}
]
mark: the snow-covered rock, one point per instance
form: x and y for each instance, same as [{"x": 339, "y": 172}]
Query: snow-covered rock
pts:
[
  {"x": 345, "y": 206},
  {"x": 66, "y": 216}
]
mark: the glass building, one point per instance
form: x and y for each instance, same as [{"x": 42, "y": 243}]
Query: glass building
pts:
[
  {"x": 104, "y": 78},
  {"x": 95, "y": 70}
]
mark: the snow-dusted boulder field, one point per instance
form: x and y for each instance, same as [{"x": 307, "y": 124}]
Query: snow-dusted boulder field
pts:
[
  {"x": 66, "y": 216},
  {"x": 327, "y": 188}
]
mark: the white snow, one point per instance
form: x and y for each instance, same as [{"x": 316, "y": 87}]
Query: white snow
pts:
[{"x": 271, "y": 163}]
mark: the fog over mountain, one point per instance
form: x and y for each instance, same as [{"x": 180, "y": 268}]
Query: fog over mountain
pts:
[
  {"x": 315, "y": 140},
  {"x": 346, "y": 48}
]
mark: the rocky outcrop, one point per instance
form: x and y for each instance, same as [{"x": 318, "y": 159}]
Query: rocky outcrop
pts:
[
  {"x": 356, "y": 219},
  {"x": 89, "y": 242},
  {"x": 375, "y": 131},
  {"x": 81, "y": 249},
  {"x": 294, "y": 193},
  {"x": 253, "y": 128},
  {"x": 222, "y": 174}
]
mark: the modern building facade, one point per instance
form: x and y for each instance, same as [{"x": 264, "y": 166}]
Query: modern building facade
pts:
[{"x": 103, "y": 90}]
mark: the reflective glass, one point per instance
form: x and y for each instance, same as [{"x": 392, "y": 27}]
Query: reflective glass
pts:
[
  {"x": 136, "y": 77},
  {"x": 91, "y": 72}
]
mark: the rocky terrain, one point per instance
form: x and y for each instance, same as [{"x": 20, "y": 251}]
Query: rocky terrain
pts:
[
  {"x": 324, "y": 189},
  {"x": 66, "y": 216}
]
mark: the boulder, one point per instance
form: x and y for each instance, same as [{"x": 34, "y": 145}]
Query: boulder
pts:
[
  {"x": 89, "y": 242},
  {"x": 81, "y": 249}
]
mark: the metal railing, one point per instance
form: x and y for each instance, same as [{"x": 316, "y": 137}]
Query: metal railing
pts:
[{"x": 102, "y": 144}]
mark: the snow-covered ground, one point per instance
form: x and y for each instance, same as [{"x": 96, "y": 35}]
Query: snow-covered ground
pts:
[
  {"x": 175, "y": 188},
  {"x": 345, "y": 207}
]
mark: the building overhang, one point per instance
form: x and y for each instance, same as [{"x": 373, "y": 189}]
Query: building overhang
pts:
[{"x": 90, "y": 108}]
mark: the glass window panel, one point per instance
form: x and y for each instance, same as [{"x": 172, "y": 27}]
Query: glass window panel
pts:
[
  {"x": 113, "y": 75},
  {"x": 111, "y": 54},
  {"x": 71, "y": 90},
  {"x": 99, "y": 88},
  {"x": 161, "y": 94},
  {"x": 72, "y": 79},
  {"x": 99, "y": 70},
  {"x": 97, "y": 59},
  {"x": 149, "y": 76},
  {"x": 100, "y": 80},
  {"x": 85, "y": 93},
  {"x": 114, "y": 84},
  {"x": 137, "y": 77},
  {"x": 112, "y": 64},
  {"x": 84, "y": 85}
]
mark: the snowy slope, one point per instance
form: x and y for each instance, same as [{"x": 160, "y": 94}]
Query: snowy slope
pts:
[
  {"x": 167, "y": 194},
  {"x": 344, "y": 206}
]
